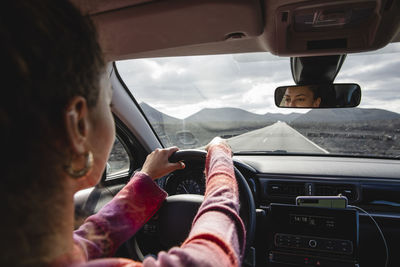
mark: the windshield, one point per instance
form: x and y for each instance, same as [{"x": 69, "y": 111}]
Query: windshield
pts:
[{"x": 190, "y": 100}]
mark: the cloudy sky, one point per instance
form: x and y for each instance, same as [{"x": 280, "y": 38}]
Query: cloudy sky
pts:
[{"x": 181, "y": 86}]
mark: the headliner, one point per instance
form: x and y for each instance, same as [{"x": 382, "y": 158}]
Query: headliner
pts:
[{"x": 147, "y": 28}]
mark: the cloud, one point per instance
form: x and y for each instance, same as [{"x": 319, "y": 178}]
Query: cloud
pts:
[
  {"x": 377, "y": 74},
  {"x": 181, "y": 86}
]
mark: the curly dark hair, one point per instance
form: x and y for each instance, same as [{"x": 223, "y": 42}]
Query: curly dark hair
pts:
[
  {"x": 327, "y": 94},
  {"x": 50, "y": 54},
  {"x": 315, "y": 90}
]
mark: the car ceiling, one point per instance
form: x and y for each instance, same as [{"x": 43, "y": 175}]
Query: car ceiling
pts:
[{"x": 145, "y": 28}]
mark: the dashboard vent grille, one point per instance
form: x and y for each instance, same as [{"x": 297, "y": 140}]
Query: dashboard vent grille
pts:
[
  {"x": 281, "y": 189},
  {"x": 347, "y": 190}
]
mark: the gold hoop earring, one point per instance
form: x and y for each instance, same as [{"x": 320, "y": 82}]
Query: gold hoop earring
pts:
[{"x": 82, "y": 172}]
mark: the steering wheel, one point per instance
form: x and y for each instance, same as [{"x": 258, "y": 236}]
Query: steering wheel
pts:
[{"x": 174, "y": 219}]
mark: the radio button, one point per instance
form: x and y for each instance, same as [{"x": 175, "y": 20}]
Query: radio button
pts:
[
  {"x": 330, "y": 245},
  {"x": 312, "y": 243}
]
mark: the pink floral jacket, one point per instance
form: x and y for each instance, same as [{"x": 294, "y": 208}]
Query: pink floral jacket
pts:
[{"x": 217, "y": 236}]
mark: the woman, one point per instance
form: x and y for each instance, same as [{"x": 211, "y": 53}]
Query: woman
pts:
[
  {"x": 301, "y": 97},
  {"x": 57, "y": 133}
]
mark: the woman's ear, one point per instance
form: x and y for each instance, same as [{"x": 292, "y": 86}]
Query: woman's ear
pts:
[{"x": 77, "y": 124}]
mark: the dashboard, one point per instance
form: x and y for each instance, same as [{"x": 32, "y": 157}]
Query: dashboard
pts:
[
  {"x": 372, "y": 185},
  {"x": 288, "y": 235}
]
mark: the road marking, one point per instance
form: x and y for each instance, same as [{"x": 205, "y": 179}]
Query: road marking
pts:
[{"x": 271, "y": 133}]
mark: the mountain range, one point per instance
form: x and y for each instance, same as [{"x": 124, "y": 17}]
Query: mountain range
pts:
[{"x": 230, "y": 115}]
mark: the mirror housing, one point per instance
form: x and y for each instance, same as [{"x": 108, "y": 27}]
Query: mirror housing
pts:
[{"x": 341, "y": 95}]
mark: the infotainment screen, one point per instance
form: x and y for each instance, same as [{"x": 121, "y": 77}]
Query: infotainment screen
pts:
[
  {"x": 321, "y": 236},
  {"x": 313, "y": 221}
]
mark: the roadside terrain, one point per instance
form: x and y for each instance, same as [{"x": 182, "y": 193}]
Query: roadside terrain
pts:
[{"x": 353, "y": 131}]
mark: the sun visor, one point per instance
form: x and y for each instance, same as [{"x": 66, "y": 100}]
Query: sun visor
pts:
[
  {"x": 176, "y": 23},
  {"x": 92, "y": 7}
]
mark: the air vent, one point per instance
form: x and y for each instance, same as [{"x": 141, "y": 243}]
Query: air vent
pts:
[
  {"x": 347, "y": 190},
  {"x": 282, "y": 189}
]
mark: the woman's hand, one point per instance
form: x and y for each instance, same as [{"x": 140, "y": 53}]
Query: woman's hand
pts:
[
  {"x": 218, "y": 141},
  {"x": 157, "y": 164}
]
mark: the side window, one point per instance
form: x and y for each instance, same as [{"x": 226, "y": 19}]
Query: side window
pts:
[{"x": 118, "y": 163}]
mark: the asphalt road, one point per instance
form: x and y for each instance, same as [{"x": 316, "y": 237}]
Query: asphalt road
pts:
[{"x": 276, "y": 137}]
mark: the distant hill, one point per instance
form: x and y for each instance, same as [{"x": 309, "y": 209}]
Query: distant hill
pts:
[
  {"x": 156, "y": 116},
  {"x": 223, "y": 114},
  {"x": 238, "y": 115},
  {"x": 282, "y": 117},
  {"x": 346, "y": 115}
]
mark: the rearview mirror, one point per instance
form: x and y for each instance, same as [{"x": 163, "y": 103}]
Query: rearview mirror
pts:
[{"x": 345, "y": 95}]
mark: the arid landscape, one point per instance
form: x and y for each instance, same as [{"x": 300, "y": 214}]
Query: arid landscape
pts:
[{"x": 368, "y": 132}]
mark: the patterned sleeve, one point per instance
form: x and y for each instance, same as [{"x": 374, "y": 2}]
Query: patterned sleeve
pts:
[
  {"x": 217, "y": 237},
  {"x": 102, "y": 233}
]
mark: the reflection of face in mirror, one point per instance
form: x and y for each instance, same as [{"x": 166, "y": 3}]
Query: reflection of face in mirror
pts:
[
  {"x": 343, "y": 95},
  {"x": 301, "y": 96}
]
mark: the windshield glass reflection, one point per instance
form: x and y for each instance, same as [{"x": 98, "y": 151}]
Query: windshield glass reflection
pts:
[{"x": 190, "y": 100}]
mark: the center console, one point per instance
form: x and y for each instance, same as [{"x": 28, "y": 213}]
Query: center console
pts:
[{"x": 311, "y": 236}]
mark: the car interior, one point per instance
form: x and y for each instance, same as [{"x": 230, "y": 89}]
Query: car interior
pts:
[{"x": 299, "y": 209}]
